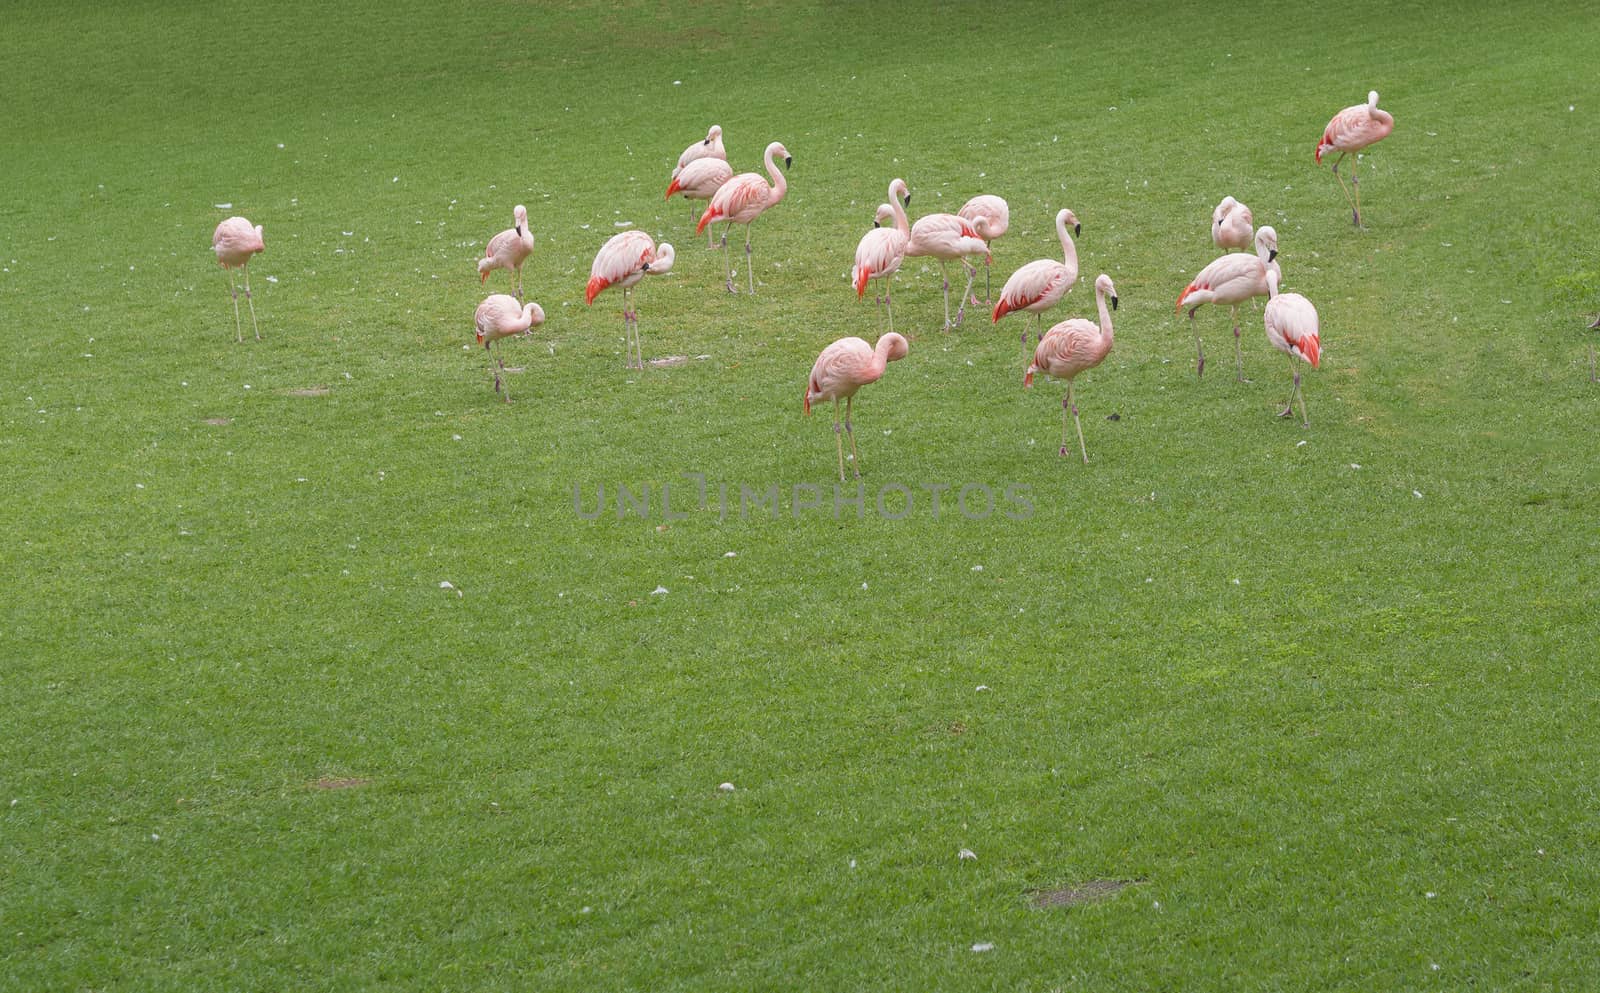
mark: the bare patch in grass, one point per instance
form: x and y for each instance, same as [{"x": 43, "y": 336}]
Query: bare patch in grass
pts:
[
  {"x": 667, "y": 361},
  {"x": 310, "y": 391},
  {"x": 218, "y": 422},
  {"x": 1076, "y": 896},
  {"x": 339, "y": 782}
]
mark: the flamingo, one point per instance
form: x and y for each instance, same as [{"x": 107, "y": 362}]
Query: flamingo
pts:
[
  {"x": 991, "y": 217},
  {"x": 1292, "y": 328},
  {"x": 700, "y": 180},
  {"x": 624, "y": 260},
  {"x": 843, "y": 368},
  {"x": 1231, "y": 279},
  {"x": 508, "y": 249},
  {"x": 1041, "y": 284},
  {"x": 742, "y": 199},
  {"x": 947, "y": 237},
  {"x": 234, "y": 241},
  {"x": 500, "y": 316},
  {"x": 708, "y": 148},
  {"x": 881, "y": 250},
  {"x": 1231, "y": 224},
  {"x": 1071, "y": 347},
  {"x": 1351, "y": 130}
]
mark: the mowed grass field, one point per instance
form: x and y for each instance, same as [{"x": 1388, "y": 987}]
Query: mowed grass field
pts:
[{"x": 1325, "y": 698}]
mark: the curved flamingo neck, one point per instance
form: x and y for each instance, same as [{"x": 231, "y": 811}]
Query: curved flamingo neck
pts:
[
  {"x": 1069, "y": 251},
  {"x": 1106, "y": 334},
  {"x": 901, "y": 222},
  {"x": 780, "y": 185}
]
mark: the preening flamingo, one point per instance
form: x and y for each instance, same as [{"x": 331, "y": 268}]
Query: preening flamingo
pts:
[
  {"x": 1232, "y": 225},
  {"x": 1351, "y": 130},
  {"x": 1231, "y": 279},
  {"x": 508, "y": 250},
  {"x": 1071, "y": 347},
  {"x": 500, "y": 316},
  {"x": 622, "y": 261},
  {"x": 948, "y": 238},
  {"x": 1292, "y": 328},
  {"x": 742, "y": 199},
  {"x": 843, "y": 368},
  {"x": 882, "y": 249},
  {"x": 991, "y": 217},
  {"x": 710, "y": 147},
  {"x": 700, "y": 180},
  {"x": 1041, "y": 284},
  {"x": 234, "y": 241}
]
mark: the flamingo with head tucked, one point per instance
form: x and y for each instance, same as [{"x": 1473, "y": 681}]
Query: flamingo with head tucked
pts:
[
  {"x": 744, "y": 198},
  {"x": 883, "y": 249},
  {"x": 709, "y": 147},
  {"x": 1232, "y": 225},
  {"x": 500, "y": 316},
  {"x": 234, "y": 241},
  {"x": 700, "y": 180},
  {"x": 1351, "y": 130},
  {"x": 1041, "y": 284},
  {"x": 509, "y": 249},
  {"x": 1231, "y": 279},
  {"x": 1292, "y": 328},
  {"x": 622, "y": 261},
  {"x": 843, "y": 368},
  {"x": 1071, "y": 347},
  {"x": 991, "y": 217}
]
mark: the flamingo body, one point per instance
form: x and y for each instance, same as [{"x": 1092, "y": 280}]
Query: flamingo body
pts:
[
  {"x": 1293, "y": 329},
  {"x": 234, "y": 241},
  {"x": 1232, "y": 225},
  {"x": 948, "y": 238},
  {"x": 745, "y": 197},
  {"x": 1231, "y": 279},
  {"x": 708, "y": 148},
  {"x": 1040, "y": 285},
  {"x": 1071, "y": 347},
  {"x": 508, "y": 249},
  {"x": 700, "y": 179},
  {"x": 500, "y": 316},
  {"x": 840, "y": 371},
  {"x": 1351, "y": 130},
  {"x": 623, "y": 261}
]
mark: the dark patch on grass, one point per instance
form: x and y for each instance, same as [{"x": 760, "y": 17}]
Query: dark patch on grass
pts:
[
  {"x": 339, "y": 782},
  {"x": 309, "y": 391},
  {"x": 1076, "y": 896},
  {"x": 218, "y": 421}
]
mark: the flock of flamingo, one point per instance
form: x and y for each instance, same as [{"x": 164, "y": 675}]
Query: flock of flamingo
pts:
[{"x": 845, "y": 366}]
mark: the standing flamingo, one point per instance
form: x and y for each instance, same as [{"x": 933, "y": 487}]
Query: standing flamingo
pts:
[
  {"x": 991, "y": 217},
  {"x": 700, "y": 180},
  {"x": 1292, "y": 328},
  {"x": 1041, "y": 284},
  {"x": 500, "y": 316},
  {"x": 881, "y": 250},
  {"x": 235, "y": 241},
  {"x": 624, "y": 260},
  {"x": 948, "y": 238},
  {"x": 1071, "y": 347},
  {"x": 1231, "y": 225},
  {"x": 1351, "y": 130},
  {"x": 708, "y": 148},
  {"x": 843, "y": 368},
  {"x": 1231, "y": 279},
  {"x": 741, "y": 200},
  {"x": 508, "y": 250}
]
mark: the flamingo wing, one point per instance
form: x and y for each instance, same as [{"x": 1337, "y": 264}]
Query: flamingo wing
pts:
[
  {"x": 620, "y": 257},
  {"x": 1293, "y": 327}
]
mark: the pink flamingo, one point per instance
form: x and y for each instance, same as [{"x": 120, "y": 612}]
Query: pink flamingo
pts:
[
  {"x": 235, "y": 241},
  {"x": 500, "y": 316},
  {"x": 1351, "y": 130},
  {"x": 882, "y": 249},
  {"x": 622, "y": 261},
  {"x": 700, "y": 180},
  {"x": 1071, "y": 347},
  {"x": 1041, "y": 284},
  {"x": 744, "y": 198},
  {"x": 1292, "y": 328},
  {"x": 991, "y": 217},
  {"x": 1231, "y": 279},
  {"x": 1232, "y": 225},
  {"x": 708, "y": 148},
  {"x": 843, "y": 368},
  {"x": 948, "y": 238},
  {"x": 508, "y": 250}
]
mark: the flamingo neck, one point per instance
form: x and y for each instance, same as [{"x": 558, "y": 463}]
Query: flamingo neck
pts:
[
  {"x": 901, "y": 223},
  {"x": 1106, "y": 335},
  {"x": 780, "y": 185},
  {"x": 1069, "y": 251}
]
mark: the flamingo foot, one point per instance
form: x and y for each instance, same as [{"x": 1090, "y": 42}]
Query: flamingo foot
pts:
[
  {"x": 1063, "y": 451},
  {"x": 1287, "y": 411}
]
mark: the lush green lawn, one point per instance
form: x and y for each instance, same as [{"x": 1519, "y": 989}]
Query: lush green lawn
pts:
[{"x": 1326, "y": 695}]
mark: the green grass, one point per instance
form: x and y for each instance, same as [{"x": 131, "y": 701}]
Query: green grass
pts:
[{"x": 1340, "y": 734}]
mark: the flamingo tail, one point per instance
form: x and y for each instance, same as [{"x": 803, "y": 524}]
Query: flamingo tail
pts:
[
  {"x": 705, "y": 219},
  {"x": 673, "y": 189},
  {"x": 596, "y": 284},
  {"x": 1001, "y": 309},
  {"x": 1185, "y": 294},
  {"x": 863, "y": 273},
  {"x": 1310, "y": 348}
]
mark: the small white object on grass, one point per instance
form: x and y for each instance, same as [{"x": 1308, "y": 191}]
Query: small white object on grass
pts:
[
  {"x": 977, "y": 568},
  {"x": 966, "y": 855},
  {"x": 1417, "y": 494},
  {"x": 659, "y": 590},
  {"x": 730, "y": 555},
  {"x": 981, "y": 689},
  {"x": 983, "y": 946},
  {"x": 726, "y": 787}
]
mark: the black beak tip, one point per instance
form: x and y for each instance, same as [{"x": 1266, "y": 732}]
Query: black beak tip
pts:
[
  {"x": 788, "y": 161},
  {"x": 1272, "y": 255},
  {"x": 1113, "y": 303},
  {"x": 908, "y": 200},
  {"x": 876, "y": 224},
  {"x": 1077, "y": 230}
]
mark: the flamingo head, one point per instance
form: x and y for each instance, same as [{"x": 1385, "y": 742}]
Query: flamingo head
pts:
[
  {"x": 1267, "y": 242},
  {"x": 521, "y": 215},
  {"x": 898, "y": 188},
  {"x": 776, "y": 150},
  {"x": 1104, "y": 285},
  {"x": 714, "y": 134},
  {"x": 885, "y": 215},
  {"x": 1070, "y": 220},
  {"x": 534, "y": 313},
  {"x": 1372, "y": 99},
  {"x": 897, "y": 346},
  {"x": 661, "y": 263}
]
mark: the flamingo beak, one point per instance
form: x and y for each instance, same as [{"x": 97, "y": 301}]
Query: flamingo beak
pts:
[
  {"x": 1272, "y": 255},
  {"x": 1077, "y": 230},
  {"x": 906, "y": 200},
  {"x": 706, "y": 142},
  {"x": 876, "y": 224},
  {"x": 1113, "y": 303},
  {"x": 788, "y": 161}
]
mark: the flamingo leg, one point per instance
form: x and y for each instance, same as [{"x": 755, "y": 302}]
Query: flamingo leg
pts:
[
  {"x": 855, "y": 460},
  {"x": 234, "y": 289},
  {"x": 944, "y": 267},
  {"x": 987, "y": 298},
  {"x": 1073, "y": 404},
  {"x": 1591, "y": 363},
  {"x": 638, "y": 342},
  {"x": 1355, "y": 181},
  {"x": 1066, "y": 405},
  {"x": 711, "y": 235},
  {"x": 492, "y": 370},
  {"x": 1200, "y": 364},
  {"x": 1238, "y": 356},
  {"x": 888, "y": 305},
  {"x": 726, "y": 264},
  {"x": 972, "y": 273},
  {"x": 506, "y": 393},
  {"x": 749, "y": 272},
  {"x": 251, "y": 302},
  {"x": 1355, "y": 212},
  {"x": 838, "y": 442}
]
